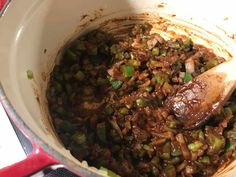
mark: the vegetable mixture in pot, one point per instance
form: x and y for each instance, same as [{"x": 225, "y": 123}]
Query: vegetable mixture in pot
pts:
[{"x": 106, "y": 100}]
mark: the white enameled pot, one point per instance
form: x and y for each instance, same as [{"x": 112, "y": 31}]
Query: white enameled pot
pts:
[{"x": 32, "y": 32}]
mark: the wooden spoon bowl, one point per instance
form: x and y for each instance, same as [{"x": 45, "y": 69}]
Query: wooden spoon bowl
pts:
[{"x": 196, "y": 101}]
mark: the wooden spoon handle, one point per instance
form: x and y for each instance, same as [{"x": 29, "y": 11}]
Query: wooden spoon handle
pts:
[
  {"x": 227, "y": 74},
  {"x": 228, "y": 69}
]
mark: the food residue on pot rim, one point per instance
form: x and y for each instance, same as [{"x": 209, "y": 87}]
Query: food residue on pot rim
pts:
[
  {"x": 161, "y": 5},
  {"x": 44, "y": 76},
  {"x": 84, "y": 16}
]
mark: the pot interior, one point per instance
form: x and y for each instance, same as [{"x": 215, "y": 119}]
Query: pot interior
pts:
[{"x": 34, "y": 33}]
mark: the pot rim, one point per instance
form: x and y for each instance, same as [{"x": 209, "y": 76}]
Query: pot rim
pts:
[
  {"x": 67, "y": 163},
  {"x": 14, "y": 116}
]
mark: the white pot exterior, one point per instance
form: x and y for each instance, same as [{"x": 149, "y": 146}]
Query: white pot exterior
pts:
[{"x": 29, "y": 27}]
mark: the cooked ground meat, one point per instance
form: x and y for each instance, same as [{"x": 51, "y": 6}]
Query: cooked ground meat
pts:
[{"x": 106, "y": 100}]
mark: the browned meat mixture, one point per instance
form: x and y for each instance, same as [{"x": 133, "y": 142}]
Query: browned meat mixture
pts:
[{"x": 106, "y": 100}]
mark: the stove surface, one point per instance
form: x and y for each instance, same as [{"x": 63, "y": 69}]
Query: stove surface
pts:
[{"x": 11, "y": 150}]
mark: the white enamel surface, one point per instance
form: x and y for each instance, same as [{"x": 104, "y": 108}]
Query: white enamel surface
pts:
[{"x": 30, "y": 26}]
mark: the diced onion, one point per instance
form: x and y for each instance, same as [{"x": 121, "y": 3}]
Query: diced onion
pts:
[{"x": 190, "y": 66}]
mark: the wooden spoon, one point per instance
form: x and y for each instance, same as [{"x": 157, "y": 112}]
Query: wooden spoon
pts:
[{"x": 197, "y": 100}]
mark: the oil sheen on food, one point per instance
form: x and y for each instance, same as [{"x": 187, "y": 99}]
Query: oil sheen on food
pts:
[{"x": 106, "y": 98}]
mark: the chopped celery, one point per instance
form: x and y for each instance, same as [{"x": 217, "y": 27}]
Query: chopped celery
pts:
[
  {"x": 155, "y": 51},
  {"x": 109, "y": 172},
  {"x": 79, "y": 138},
  {"x": 101, "y": 131},
  {"x": 140, "y": 102},
  {"x": 187, "y": 77},
  {"x": 79, "y": 75},
  {"x": 30, "y": 74},
  {"x": 195, "y": 146},
  {"x": 116, "y": 84},
  {"x": 128, "y": 71}
]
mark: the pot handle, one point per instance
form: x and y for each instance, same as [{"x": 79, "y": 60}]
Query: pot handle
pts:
[
  {"x": 36, "y": 159},
  {"x": 2, "y": 3},
  {"x": 33, "y": 163}
]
